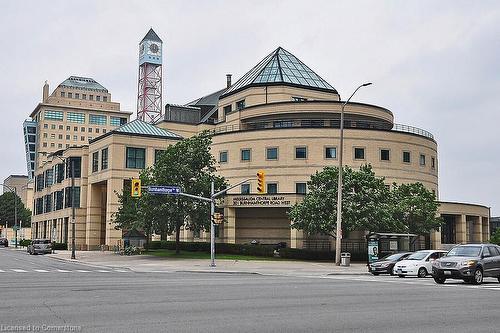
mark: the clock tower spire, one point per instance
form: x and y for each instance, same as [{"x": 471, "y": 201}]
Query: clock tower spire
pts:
[{"x": 149, "y": 106}]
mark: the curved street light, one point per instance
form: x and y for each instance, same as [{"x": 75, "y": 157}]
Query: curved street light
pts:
[{"x": 338, "y": 233}]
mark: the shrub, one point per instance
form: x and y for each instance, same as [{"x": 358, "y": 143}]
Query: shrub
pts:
[
  {"x": 25, "y": 242},
  {"x": 303, "y": 254},
  {"x": 131, "y": 250},
  {"x": 59, "y": 246}
]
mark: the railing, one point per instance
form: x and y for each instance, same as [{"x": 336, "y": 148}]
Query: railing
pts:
[{"x": 322, "y": 123}]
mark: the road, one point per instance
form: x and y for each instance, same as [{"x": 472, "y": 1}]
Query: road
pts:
[{"x": 38, "y": 291}]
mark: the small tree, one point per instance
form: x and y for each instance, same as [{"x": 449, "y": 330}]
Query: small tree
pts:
[
  {"x": 416, "y": 208},
  {"x": 495, "y": 238},
  {"x": 366, "y": 203},
  {"x": 8, "y": 201}
]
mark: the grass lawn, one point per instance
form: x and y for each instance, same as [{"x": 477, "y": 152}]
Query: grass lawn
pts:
[{"x": 203, "y": 255}]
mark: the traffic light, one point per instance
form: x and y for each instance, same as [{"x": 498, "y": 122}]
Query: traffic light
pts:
[
  {"x": 261, "y": 182},
  {"x": 136, "y": 188}
]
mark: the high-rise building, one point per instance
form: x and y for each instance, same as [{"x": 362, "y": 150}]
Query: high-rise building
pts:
[{"x": 149, "y": 107}]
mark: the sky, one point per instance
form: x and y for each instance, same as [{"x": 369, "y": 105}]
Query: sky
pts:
[{"x": 434, "y": 64}]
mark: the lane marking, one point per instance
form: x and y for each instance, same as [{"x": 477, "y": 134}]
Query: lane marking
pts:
[
  {"x": 41, "y": 270},
  {"x": 2, "y": 271},
  {"x": 82, "y": 271},
  {"x": 102, "y": 271},
  {"x": 20, "y": 271},
  {"x": 63, "y": 271},
  {"x": 120, "y": 271}
]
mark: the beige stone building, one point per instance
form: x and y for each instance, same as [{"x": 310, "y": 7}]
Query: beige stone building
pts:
[
  {"x": 24, "y": 188},
  {"x": 280, "y": 117}
]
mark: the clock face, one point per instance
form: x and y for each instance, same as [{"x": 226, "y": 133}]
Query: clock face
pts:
[{"x": 154, "y": 48}]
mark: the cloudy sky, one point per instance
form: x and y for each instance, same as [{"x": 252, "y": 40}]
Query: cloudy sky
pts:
[{"x": 435, "y": 65}]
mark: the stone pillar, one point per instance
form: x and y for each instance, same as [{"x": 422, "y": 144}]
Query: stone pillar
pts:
[
  {"x": 477, "y": 229},
  {"x": 461, "y": 227},
  {"x": 435, "y": 239},
  {"x": 112, "y": 236},
  {"x": 296, "y": 239},
  {"x": 485, "y": 228},
  {"x": 93, "y": 225},
  {"x": 230, "y": 227}
]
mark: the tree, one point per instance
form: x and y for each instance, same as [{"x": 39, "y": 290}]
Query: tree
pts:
[
  {"x": 366, "y": 203},
  {"x": 7, "y": 210},
  {"x": 416, "y": 207},
  {"x": 188, "y": 164},
  {"x": 495, "y": 237}
]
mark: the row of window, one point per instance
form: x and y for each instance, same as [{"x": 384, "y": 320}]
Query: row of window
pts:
[
  {"x": 57, "y": 201},
  {"x": 329, "y": 153},
  {"x": 104, "y": 160},
  {"x": 135, "y": 158},
  {"x": 79, "y": 117},
  {"x": 83, "y": 96},
  {"x": 75, "y": 129},
  {"x": 272, "y": 188},
  {"x": 58, "y": 173}
]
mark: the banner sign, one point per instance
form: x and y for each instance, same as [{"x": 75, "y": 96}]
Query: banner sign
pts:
[
  {"x": 261, "y": 200},
  {"x": 372, "y": 250}
]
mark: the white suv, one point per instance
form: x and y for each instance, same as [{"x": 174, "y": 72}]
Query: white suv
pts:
[{"x": 418, "y": 264}]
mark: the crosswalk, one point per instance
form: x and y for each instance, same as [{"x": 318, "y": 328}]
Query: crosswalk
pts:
[{"x": 18, "y": 270}]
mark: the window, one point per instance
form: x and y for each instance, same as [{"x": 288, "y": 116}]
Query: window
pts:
[
  {"x": 272, "y": 153},
  {"x": 385, "y": 155},
  {"x": 240, "y": 105},
  {"x": 76, "y": 197},
  {"x": 97, "y": 130},
  {"x": 245, "y": 188},
  {"x": 223, "y": 157},
  {"x": 49, "y": 178},
  {"x": 158, "y": 154},
  {"x": 82, "y": 138},
  {"x": 245, "y": 154},
  {"x": 104, "y": 98},
  {"x": 84, "y": 96},
  {"x": 48, "y": 203},
  {"x": 45, "y": 135},
  {"x": 228, "y": 109},
  {"x": 60, "y": 136},
  {"x": 59, "y": 145},
  {"x": 52, "y": 144},
  {"x": 45, "y": 126},
  {"x": 98, "y": 98},
  {"x": 76, "y": 117},
  {"x": 82, "y": 129},
  {"x": 104, "y": 159},
  {"x": 61, "y": 127},
  {"x": 70, "y": 95},
  {"x": 116, "y": 121},
  {"x": 77, "y": 95},
  {"x": 301, "y": 152},
  {"x": 53, "y": 126},
  {"x": 89, "y": 130},
  {"x": 330, "y": 152},
  {"x": 406, "y": 157},
  {"x": 59, "y": 172},
  {"x": 299, "y": 99},
  {"x": 68, "y": 137},
  {"x": 136, "y": 158},
  {"x": 45, "y": 144},
  {"x": 97, "y": 119},
  {"x": 95, "y": 161},
  {"x": 282, "y": 123},
  {"x": 272, "y": 188},
  {"x": 63, "y": 94},
  {"x": 53, "y": 115},
  {"x": 77, "y": 161},
  {"x": 103, "y": 130},
  {"x": 53, "y": 136},
  {"x": 91, "y": 97},
  {"x": 433, "y": 163},
  {"x": 300, "y": 188},
  {"x": 75, "y": 137},
  {"x": 359, "y": 153},
  {"x": 422, "y": 159},
  {"x": 58, "y": 200}
]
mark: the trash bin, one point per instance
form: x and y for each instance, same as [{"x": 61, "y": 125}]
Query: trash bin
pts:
[{"x": 345, "y": 259}]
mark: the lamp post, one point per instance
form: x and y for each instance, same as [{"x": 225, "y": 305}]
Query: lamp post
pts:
[
  {"x": 338, "y": 234},
  {"x": 13, "y": 189}
]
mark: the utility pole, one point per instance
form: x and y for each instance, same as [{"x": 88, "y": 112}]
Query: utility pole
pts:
[{"x": 212, "y": 226}]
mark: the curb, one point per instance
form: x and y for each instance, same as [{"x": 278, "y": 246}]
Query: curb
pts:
[
  {"x": 218, "y": 272},
  {"x": 349, "y": 273}
]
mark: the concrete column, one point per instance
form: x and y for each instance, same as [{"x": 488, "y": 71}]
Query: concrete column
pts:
[
  {"x": 296, "y": 238},
  {"x": 461, "y": 227},
  {"x": 477, "y": 229},
  {"x": 435, "y": 239},
  {"x": 93, "y": 225},
  {"x": 485, "y": 222},
  {"x": 230, "y": 227},
  {"x": 113, "y": 237}
]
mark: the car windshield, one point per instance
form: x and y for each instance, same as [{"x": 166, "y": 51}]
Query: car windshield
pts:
[
  {"x": 41, "y": 241},
  {"x": 394, "y": 256},
  {"x": 465, "y": 251},
  {"x": 417, "y": 256}
]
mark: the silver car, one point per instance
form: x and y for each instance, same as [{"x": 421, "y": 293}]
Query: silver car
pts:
[{"x": 40, "y": 246}]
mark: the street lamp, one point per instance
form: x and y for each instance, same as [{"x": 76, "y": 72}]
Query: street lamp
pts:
[
  {"x": 13, "y": 189},
  {"x": 73, "y": 222},
  {"x": 338, "y": 234}
]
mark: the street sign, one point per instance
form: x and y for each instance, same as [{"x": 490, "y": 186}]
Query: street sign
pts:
[{"x": 154, "y": 189}]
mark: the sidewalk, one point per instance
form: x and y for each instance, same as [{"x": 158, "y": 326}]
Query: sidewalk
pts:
[{"x": 146, "y": 263}]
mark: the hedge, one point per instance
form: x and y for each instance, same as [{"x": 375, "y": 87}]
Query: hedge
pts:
[
  {"x": 59, "y": 246},
  {"x": 246, "y": 249},
  {"x": 304, "y": 254},
  {"x": 25, "y": 242}
]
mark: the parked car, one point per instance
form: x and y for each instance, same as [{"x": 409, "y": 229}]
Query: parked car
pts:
[
  {"x": 418, "y": 264},
  {"x": 4, "y": 242},
  {"x": 40, "y": 246},
  {"x": 386, "y": 264},
  {"x": 470, "y": 262}
]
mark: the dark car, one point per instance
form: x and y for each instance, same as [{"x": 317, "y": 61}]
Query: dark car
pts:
[
  {"x": 386, "y": 264},
  {"x": 4, "y": 242},
  {"x": 471, "y": 263}
]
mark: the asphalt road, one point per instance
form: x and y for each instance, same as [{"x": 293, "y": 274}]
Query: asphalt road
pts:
[{"x": 45, "y": 293}]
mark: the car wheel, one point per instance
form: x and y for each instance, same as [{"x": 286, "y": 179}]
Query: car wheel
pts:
[
  {"x": 374, "y": 273},
  {"x": 401, "y": 276},
  {"x": 478, "y": 276},
  {"x": 422, "y": 272},
  {"x": 440, "y": 280}
]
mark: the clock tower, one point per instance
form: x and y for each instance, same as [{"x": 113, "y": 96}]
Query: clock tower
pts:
[{"x": 149, "y": 107}]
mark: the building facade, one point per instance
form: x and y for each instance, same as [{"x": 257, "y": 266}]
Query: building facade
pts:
[{"x": 280, "y": 117}]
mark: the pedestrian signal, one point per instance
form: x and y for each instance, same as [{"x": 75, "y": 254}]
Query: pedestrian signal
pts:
[
  {"x": 261, "y": 182},
  {"x": 136, "y": 188}
]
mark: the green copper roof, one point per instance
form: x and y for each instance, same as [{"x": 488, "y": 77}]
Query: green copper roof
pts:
[
  {"x": 281, "y": 67},
  {"x": 85, "y": 83},
  {"x": 151, "y": 35},
  {"x": 142, "y": 128}
]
